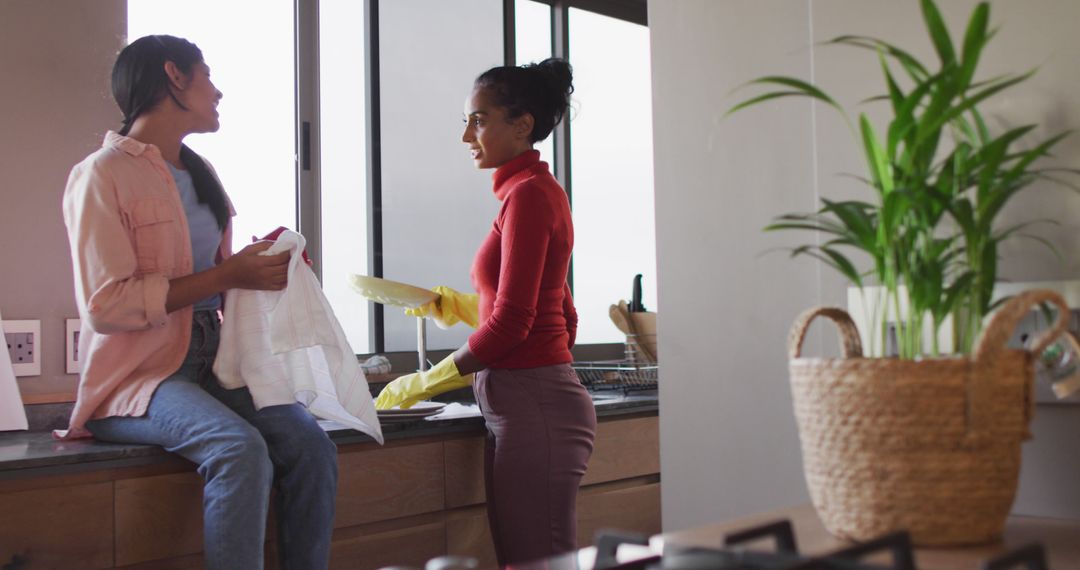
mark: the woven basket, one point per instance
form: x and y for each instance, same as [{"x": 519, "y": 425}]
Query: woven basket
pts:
[{"x": 929, "y": 446}]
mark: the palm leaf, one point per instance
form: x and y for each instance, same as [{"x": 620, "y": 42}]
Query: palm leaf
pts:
[
  {"x": 916, "y": 70},
  {"x": 939, "y": 34},
  {"x": 800, "y": 88},
  {"x": 880, "y": 169},
  {"x": 969, "y": 103},
  {"x": 974, "y": 41}
]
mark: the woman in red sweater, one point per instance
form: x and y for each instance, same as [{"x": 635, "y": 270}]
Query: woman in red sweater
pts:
[{"x": 541, "y": 422}]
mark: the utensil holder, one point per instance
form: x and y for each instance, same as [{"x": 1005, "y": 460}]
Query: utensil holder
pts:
[
  {"x": 633, "y": 349},
  {"x": 641, "y": 339}
]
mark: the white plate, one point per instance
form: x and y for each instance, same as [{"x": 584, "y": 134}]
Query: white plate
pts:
[
  {"x": 419, "y": 410},
  {"x": 390, "y": 292},
  {"x": 402, "y": 417}
]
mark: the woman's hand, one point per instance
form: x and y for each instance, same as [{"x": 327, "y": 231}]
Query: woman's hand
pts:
[
  {"x": 245, "y": 270},
  {"x": 249, "y": 270}
]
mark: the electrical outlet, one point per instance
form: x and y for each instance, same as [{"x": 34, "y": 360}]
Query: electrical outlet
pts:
[
  {"x": 20, "y": 347},
  {"x": 71, "y": 345},
  {"x": 24, "y": 346}
]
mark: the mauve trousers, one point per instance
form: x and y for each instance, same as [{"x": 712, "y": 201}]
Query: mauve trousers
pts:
[{"x": 541, "y": 424}]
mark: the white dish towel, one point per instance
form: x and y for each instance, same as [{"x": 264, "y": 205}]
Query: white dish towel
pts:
[{"x": 287, "y": 346}]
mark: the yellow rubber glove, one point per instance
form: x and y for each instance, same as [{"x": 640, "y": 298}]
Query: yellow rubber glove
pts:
[
  {"x": 412, "y": 388},
  {"x": 451, "y": 306}
]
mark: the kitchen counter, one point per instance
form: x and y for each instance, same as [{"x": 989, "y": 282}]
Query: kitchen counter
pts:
[
  {"x": 95, "y": 505},
  {"x": 37, "y": 453}
]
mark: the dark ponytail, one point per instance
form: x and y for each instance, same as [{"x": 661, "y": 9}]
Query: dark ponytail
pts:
[
  {"x": 139, "y": 83},
  {"x": 540, "y": 89},
  {"x": 207, "y": 187}
]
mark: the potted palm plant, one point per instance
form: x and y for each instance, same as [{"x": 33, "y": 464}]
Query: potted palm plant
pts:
[{"x": 925, "y": 442}]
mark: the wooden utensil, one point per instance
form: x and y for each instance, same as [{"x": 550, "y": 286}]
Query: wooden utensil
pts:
[{"x": 619, "y": 317}]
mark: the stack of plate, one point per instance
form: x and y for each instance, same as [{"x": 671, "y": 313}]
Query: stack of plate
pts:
[{"x": 420, "y": 410}]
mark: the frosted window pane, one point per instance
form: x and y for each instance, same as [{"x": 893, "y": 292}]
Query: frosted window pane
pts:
[
  {"x": 343, "y": 175},
  {"x": 254, "y": 152},
  {"x": 532, "y": 44},
  {"x": 611, "y": 153}
]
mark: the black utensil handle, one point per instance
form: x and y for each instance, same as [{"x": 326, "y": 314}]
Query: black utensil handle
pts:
[{"x": 635, "y": 300}]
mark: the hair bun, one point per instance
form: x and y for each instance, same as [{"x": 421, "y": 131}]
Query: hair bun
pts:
[
  {"x": 559, "y": 74},
  {"x": 540, "y": 89}
]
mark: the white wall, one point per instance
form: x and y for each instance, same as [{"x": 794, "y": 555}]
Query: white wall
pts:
[
  {"x": 55, "y": 58},
  {"x": 437, "y": 207},
  {"x": 728, "y": 440}
]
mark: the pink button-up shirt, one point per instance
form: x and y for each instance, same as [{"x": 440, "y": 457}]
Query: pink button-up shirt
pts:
[{"x": 129, "y": 236}]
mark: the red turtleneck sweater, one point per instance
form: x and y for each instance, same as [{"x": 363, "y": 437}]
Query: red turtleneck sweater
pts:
[{"x": 527, "y": 316}]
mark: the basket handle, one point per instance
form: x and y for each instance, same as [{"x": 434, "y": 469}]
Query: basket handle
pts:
[
  {"x": 846, "y": 330},
  {"x": 1004, "y": 321}
]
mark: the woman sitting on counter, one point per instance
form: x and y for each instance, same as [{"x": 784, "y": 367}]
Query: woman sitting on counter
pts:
[
  {"x": 149, "y": 228},
  {"x": 541, "y": 422}
]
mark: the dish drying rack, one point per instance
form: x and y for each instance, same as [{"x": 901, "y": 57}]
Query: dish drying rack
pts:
[{"x": 623, "y": 375}]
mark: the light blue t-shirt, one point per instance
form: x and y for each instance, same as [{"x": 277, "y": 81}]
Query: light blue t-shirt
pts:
[{"x": 203, "y": 227}]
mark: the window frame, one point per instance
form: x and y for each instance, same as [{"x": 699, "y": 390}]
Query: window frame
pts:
[{"x": 308, "y": 187}]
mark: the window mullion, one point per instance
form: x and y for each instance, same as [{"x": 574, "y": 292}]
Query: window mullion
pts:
[
  {"x": 509, "y": 33},
  {"x": 560, "y": 47},
  {"x": 373, "y": 109},
  {"x": 307, "y": 129}
]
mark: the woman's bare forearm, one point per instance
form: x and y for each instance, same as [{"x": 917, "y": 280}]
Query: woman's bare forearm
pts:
[{"x": 190, "y": 289}]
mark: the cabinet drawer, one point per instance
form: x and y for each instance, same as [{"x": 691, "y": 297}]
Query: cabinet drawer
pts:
[
  {"x": 464, "y": 472},
  {"x": 66, "y": 527},
  {"x": 635, "y": 509},
  {"x": 411, "y": 546},
  {"x": 624, "y": 449},
  {"x": 389, "y": 483},
  {"x": 158, "y": 517},
  {"x": 467, "y": 534}
]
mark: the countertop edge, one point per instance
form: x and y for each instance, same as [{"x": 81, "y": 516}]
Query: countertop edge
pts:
[{"x": 44, "y": 456}]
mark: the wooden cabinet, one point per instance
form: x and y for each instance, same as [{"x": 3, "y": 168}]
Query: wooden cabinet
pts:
[
  {"x": 621, "y": 488},
  {"x": 467, "y": 534},
  {"x": 625, "y": 448},
  {"x": 464, "y": 471},
  {"x": 158, "y": 517},
  {"x": 377, "y": 484},
  {"x": 629, "y": 508},
  {"x": 402, "y": 504},
  {"x": 368, "y": 549},
  {"x": 69, "y": 527}
]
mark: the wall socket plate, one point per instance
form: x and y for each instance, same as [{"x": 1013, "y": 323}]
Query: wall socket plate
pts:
[
  {"x": 23, "y": 340},
  {"x": 71, "y": 345}
]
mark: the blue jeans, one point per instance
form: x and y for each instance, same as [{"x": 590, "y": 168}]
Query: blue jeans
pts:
[{"x": 240, "y": 452}]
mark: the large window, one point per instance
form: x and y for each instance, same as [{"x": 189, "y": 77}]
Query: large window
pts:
[
  {"x": 610, "y": 162},
  {"x": 532, "y": 44},
  {"x": 612, "y": 175},
  {"x": 254, "y": 152},
  {"x": 295, "y": 123},
  {"x": 436, "y": 206},
  {"x": 342, "y": 168}
]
